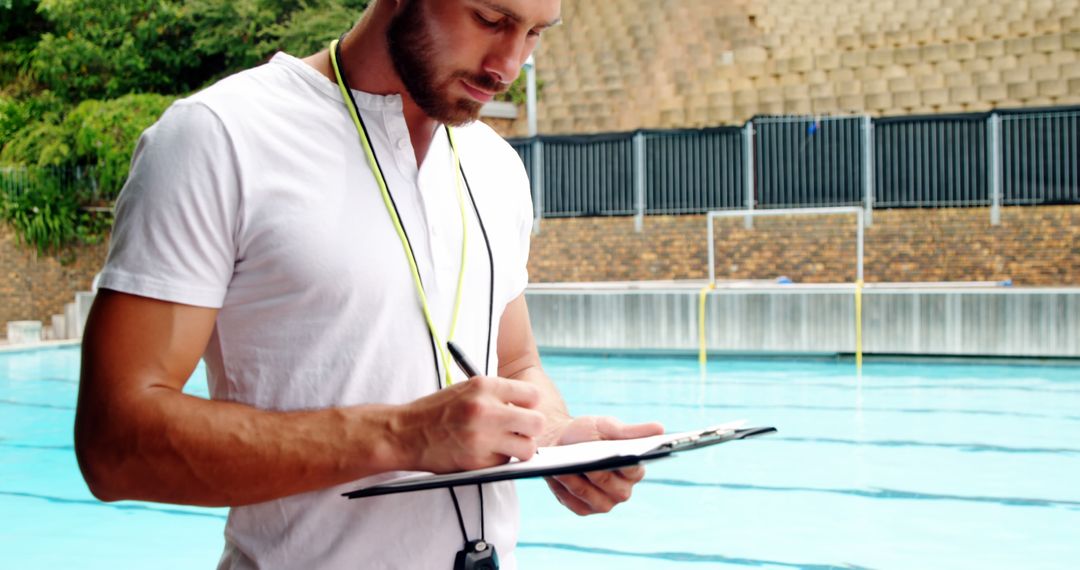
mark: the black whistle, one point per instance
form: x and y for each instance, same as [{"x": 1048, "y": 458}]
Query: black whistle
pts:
[{"x": 477, "y": 555}]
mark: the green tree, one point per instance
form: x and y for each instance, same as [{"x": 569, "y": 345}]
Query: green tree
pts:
[
  {"x": 103, "y": 136},
  {"x": 227, "y": 35},
  {"x": 312, "y": 25},
  {"x": 71, "y": 163},
  {"x": 108, "y": 49},
  {"x": 17, "y": 113},
  {"x": 20, "y": 28}
]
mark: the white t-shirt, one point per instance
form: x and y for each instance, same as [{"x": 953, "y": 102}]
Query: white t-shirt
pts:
[{"x": 254, "y": 196}]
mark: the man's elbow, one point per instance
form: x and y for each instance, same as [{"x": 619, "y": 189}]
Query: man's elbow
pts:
[{"x": 100, "y": 465}]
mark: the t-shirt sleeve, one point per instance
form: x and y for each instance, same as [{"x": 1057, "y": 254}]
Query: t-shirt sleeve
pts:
[{"x": 174, "y": 236}]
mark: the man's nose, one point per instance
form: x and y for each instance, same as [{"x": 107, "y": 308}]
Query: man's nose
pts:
[{"x": 505, "y": 60}]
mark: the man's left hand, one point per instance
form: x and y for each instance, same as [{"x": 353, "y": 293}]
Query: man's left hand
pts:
[{"x": 599, "y": 491}]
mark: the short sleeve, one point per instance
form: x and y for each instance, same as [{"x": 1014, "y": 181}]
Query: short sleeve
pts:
[{"x": 174, "y": 236}]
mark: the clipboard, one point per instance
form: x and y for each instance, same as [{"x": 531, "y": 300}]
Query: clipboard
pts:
[{"x": 568, "y": 459}]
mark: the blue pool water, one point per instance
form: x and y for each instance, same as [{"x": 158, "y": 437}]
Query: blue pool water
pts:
[{"x": 911, "y": 466}]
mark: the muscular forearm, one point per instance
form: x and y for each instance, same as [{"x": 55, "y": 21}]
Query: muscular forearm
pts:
[{"x": 163, "y": 445}]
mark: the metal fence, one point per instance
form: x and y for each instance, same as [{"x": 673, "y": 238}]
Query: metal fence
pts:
[
  {"x": 931, "y": 161},
  {"x": 806, "y": 162},
  {"x": 1040, "y": 157},
  {"x": 590, "y": 179},
  {"x": 1012, "y": 157},
  {"x": 688, "y": 172},
  {"x": 17, "y": 180}
]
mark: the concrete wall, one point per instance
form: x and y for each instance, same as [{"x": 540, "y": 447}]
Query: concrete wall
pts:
[{"x": 813, "y": 320}]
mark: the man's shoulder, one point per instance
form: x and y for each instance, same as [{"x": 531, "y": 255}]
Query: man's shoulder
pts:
[{"x": 276, "y": 83}]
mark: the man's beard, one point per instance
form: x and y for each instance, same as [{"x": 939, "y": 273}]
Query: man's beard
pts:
[{"x": 414, "y": 56}]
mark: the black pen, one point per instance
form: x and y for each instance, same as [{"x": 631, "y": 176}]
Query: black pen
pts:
[{"x": 462, "y": 361}]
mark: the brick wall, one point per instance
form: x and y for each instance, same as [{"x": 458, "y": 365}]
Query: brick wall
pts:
[
  {"x": 34, "y": 287},
  {"x": 1032, "y": 246}
]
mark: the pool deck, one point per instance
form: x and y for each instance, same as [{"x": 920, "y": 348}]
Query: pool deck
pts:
[{"x": 6, "y": 347}]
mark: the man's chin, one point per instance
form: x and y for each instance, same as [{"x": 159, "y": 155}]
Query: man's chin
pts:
[{"x": 462, "y": 113}]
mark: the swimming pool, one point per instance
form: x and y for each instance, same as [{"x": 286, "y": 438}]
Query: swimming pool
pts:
[{"x": 913, "y": 466}]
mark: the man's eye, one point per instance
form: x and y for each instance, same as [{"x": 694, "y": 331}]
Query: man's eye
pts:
[{"x": 486, "y": 22}]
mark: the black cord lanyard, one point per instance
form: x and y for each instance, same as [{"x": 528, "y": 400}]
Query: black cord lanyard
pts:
[{"x": 491, "y": 279}]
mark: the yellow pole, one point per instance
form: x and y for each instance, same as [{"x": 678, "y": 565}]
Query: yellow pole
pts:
[
  {"x": 858, "y": 323},
  {"x": 701, "y": 322}
]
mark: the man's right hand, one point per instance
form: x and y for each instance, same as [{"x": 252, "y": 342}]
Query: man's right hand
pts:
[{"x": 470, "y": 425}]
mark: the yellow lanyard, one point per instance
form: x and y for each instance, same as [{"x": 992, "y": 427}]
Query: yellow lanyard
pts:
[{"x": 381, "y": 181}]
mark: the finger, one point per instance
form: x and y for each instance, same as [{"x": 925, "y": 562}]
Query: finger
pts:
[
  {"x": 611, "y": 484},
  {"x": 516, "y": 392},
  {"x": 576, "y": 505},
  {"x": 584, "y": 490},
  {"x": 611, "y": 428},
  {"x": 521, "y": 421},
  {"x": 632, "y": 474},
  {"x": 521, "y": 447}
]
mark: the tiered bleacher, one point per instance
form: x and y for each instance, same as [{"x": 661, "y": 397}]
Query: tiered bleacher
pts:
[{"x": 626, "y": 64}]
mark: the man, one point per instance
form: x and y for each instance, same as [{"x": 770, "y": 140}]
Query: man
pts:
[{"x": 254, "y": 232}]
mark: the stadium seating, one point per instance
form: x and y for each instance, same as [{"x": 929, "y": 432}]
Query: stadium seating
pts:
[{"x": 626, "y": 64}]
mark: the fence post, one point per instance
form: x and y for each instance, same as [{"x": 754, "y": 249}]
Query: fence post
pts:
[
  {"x": 537, "y": 183},
  {"x": 639, "y": 181},
  {"x": 868, "y": 169},
  {"x": 748, "y": 165},
  {"x": 995, "y": 169},
  {"x": 712, "y": 247}
]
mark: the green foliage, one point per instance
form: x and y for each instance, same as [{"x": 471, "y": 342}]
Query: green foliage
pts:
[
  {"x": 232, "y": 35},
  {"x": 20, "y": 28},
  {"x": 37, "y": 144},
  {"x": 81, "y": 79},
  {"x": 311, "y": 27},
  {"x": 518, "y": 90},
  {"x": 44, "y": 217},
  {"x": 103, "y": 136},
  {"x": 108, "y": 49},
  {"x": 76, "y": 161},
  {"x": 19, "y": 18},
  {"x": 227, "y": 34},
  {"x": 16, "y": 115},
  {"x": 43, "y": 205}
]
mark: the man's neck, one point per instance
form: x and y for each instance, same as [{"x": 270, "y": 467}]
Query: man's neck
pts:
[{"x": 365, "y": 60}]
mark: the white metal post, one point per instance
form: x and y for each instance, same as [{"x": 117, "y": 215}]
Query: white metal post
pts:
[
  {"x": 868, "y": 169},
  {"x": 995, "y": 169},
  {"x": 712, "y": 250},
  {"x": 530, "y": 94},
  {"x": 537, "y": 183},
  {"x": 859, "y": 249},
  {"x": 748, "y": 164},
  {"x": 639, "y": 181}
]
